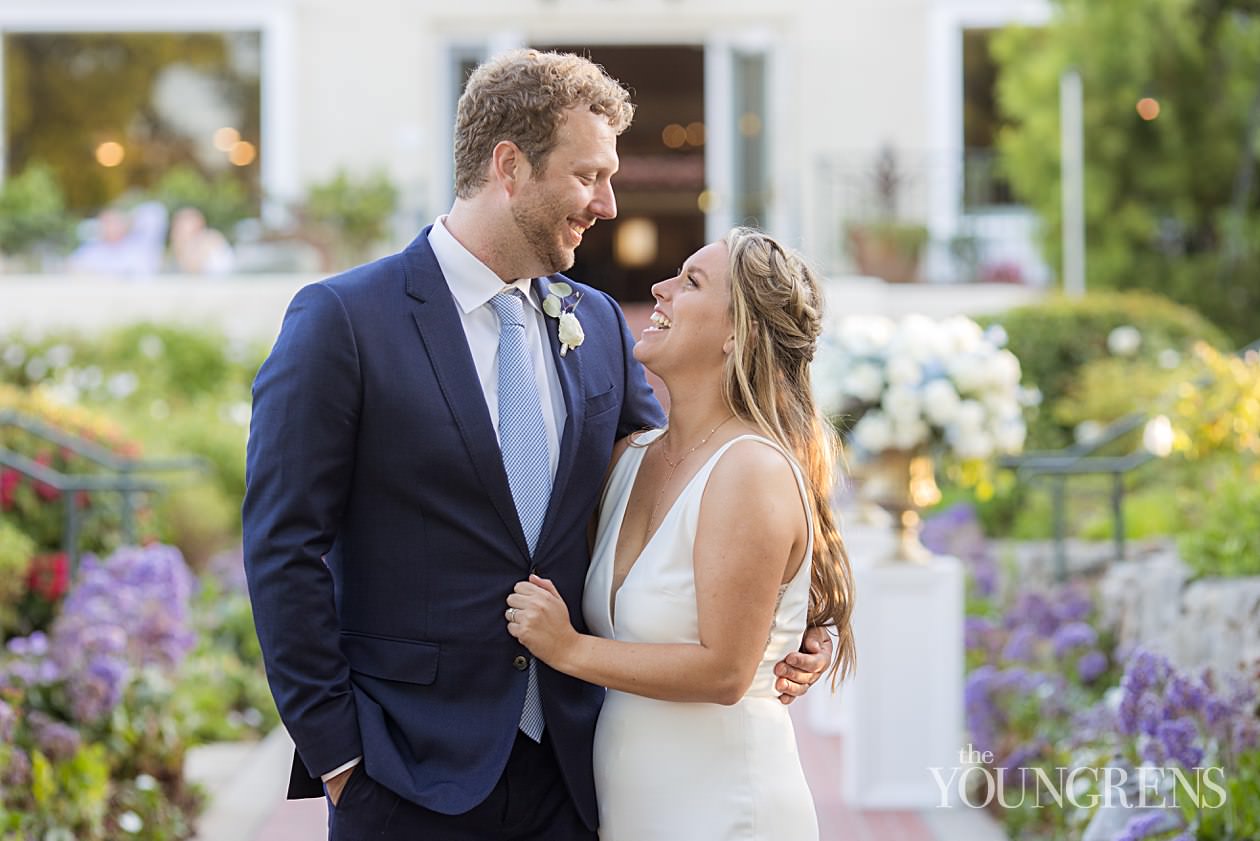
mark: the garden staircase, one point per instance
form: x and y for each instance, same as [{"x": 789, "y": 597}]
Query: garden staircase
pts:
[
  {"x": 1058, "y": 467},
  {"x": 127, "y": 477}
]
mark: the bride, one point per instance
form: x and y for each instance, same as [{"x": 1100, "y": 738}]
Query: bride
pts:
[{"x": 715, "y": 548}]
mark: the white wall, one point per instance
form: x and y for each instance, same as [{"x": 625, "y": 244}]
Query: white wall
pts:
[{"x": 365, "y": 83}]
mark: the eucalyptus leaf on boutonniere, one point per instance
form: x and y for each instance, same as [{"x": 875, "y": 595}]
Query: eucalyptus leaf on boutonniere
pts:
[{"x": 560, "y": 303}]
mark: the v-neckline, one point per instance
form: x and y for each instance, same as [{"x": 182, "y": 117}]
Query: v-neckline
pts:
[{"x": 621, "y": 519}]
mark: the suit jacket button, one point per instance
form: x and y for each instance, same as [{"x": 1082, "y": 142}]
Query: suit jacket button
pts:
[{"x": 520, "y": 662}]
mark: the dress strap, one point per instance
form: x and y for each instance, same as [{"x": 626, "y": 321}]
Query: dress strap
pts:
[{"x": 796, "y": 471}]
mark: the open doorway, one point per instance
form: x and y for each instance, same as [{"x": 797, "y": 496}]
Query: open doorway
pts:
[{"x": 661, "y": 183}]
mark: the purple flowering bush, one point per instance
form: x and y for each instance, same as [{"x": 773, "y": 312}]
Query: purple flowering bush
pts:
[
  {"x": 86, "y": 707},
  {"x": 1048, "y": 691}
]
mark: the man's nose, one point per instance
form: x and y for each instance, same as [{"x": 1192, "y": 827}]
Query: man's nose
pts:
[{"x": 604, "y": 205}]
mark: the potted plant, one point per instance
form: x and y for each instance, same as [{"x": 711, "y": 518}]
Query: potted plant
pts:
[{"x": 885, "y": 246}]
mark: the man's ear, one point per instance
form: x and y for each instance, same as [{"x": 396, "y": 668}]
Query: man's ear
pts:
[{"x": 508, "y": 166}]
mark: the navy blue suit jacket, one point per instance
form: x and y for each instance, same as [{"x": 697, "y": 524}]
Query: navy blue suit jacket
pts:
[{"x": 381, "y": 538}]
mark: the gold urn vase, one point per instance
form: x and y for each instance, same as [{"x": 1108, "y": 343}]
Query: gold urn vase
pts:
[{"x": 902, "y": 482}]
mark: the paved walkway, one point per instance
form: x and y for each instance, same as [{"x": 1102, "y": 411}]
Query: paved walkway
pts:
[{"x": 250, "y": 804}]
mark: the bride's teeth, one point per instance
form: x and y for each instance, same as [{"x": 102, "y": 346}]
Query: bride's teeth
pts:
[{"x": 661, "y": 321}]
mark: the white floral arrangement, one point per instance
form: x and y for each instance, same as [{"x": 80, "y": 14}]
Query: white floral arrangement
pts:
[{"x": 920, "y": 383}]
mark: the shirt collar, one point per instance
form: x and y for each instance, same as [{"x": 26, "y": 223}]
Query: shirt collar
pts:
[{"x": 471, "y": 281}]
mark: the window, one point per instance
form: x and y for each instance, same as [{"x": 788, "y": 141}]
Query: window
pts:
[
  {"x": 983, "y": 183},
  {"x": 114, "y": 112}
]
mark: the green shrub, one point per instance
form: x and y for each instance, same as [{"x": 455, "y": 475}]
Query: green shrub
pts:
[
  {"x": 1227, "y": 541},
  {"x": 33, "y": 212},
  {"x": 16, "y": 552},
  {"x": 352, "y": 213},
  {"x": 1055, "y": 339},
  {"x": 223, "y": 201}
]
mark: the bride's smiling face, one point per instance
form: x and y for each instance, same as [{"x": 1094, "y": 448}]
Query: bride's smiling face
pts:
[{"x": 691, "y": 324}]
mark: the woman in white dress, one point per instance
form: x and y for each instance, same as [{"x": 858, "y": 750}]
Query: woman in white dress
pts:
[{"x": 715, "y": 548}]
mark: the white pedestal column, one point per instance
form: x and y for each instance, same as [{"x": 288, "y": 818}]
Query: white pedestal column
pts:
[{"x": 901, "y": 713}]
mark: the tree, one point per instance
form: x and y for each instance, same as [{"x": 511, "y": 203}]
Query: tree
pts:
[{"x": 1171, "y": 203}]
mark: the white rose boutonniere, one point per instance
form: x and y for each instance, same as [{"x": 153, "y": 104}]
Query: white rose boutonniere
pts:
[{"x": 557, "y": 305}]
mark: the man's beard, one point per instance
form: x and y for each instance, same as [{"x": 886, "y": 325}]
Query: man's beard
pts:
[{"x": 539, "y": 231}]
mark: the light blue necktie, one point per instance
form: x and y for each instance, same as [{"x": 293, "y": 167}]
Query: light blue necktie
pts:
[{"x": 523, "y": 441}]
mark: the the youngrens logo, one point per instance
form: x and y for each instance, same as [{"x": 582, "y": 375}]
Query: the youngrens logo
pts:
[{"x": 977, "y": 785}]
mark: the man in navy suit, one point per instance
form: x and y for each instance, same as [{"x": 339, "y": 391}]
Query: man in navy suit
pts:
[{"x": 386, "y": 517}]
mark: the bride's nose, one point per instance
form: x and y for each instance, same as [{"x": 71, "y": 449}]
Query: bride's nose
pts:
[{"x": 661, "y": 289}]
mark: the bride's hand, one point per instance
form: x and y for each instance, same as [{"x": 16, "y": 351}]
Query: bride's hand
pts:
[{"x": 538, "y": 617}]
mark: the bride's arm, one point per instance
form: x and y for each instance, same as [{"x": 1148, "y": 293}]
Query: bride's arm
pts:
[
  {"x": 751, "y": 526},
  {"x": 592, "y": 525}
]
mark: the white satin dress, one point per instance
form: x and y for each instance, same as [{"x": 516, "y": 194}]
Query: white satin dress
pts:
[{"x": 671, "y": 771}]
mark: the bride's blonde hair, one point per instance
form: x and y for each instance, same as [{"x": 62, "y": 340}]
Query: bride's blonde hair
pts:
[{"x": 776, "y": 311}]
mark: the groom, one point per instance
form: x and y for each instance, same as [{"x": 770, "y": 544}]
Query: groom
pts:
[{"x": 425, "y": 433}]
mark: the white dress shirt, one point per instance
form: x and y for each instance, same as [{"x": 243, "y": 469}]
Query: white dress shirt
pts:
[{"x": 472, "y": 286}]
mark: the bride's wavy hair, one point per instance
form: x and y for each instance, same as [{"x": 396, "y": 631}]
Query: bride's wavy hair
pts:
[{"x": 776, "y": 312}]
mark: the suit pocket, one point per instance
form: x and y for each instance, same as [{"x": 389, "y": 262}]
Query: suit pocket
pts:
[
  {"x": 602, "y": 402},
  {"x": 390, "y": 658}
]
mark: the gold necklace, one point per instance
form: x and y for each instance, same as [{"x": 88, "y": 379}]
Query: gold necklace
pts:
[{"x": 673, "y": 466}]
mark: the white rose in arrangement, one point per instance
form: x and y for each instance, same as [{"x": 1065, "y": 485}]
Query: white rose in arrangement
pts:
[
  {"x": 866, "y": 335},
  {"x": 907, "y": 436},
  {"x": 1009, "y": 436},
  {"x": 973, "y": 444},
  {"x": 873, "y": 432},
  {"x": 940, "y": 402},
  {"x": 1004, "y": 371},
  {"x": 968, "y": 373},
  {"x": 923, "y": 383},
  {"x": 902, "y": 404},
  {"x": 1001, "y": 405},
  {"x": 971, "y": 415},
  {"x": 865, "y": 382},
  {"x": 961, "y": 334},
  {"x": 904, "y": 370}
]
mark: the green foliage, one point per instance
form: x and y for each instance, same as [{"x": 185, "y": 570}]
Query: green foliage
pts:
[
  {"x": 352, "y": 213},
  {"x": 182, "y": 391},
  {"x": 223, "y": 694},
  {"x": 1221, "y": 414},
  {"x": 32, "y": 212},
  {"x": 1165, "y": 208},
  {"x": 1226, "y": 543},
  {"x": 71, "y": 794},
  {"x": 16, "y": 552},
  {"x": 1239, "y": 816},
  {"x": 224, "y": 201},
  {"x": 1054, "y": 339}
]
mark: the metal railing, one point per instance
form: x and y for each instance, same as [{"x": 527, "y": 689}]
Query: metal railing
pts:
[
  {"x": 127, "y": 477},
  {"x": 1058, "y": 467},
  {"x": 976, "y": 231}
]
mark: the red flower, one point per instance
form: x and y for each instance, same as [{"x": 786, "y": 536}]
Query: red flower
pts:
[
  {"x": 45, "y": 491},
  {"x": 49, "y": 576},
  {"x": 9, "y": 481}
]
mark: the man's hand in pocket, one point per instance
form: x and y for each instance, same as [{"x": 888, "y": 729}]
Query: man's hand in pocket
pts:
[{"x": 337, "y": 784}]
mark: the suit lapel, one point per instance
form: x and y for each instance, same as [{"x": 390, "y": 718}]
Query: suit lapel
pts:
[
  {"x": 444, "y": 339},
  {"x": 569, "y": 372}
]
